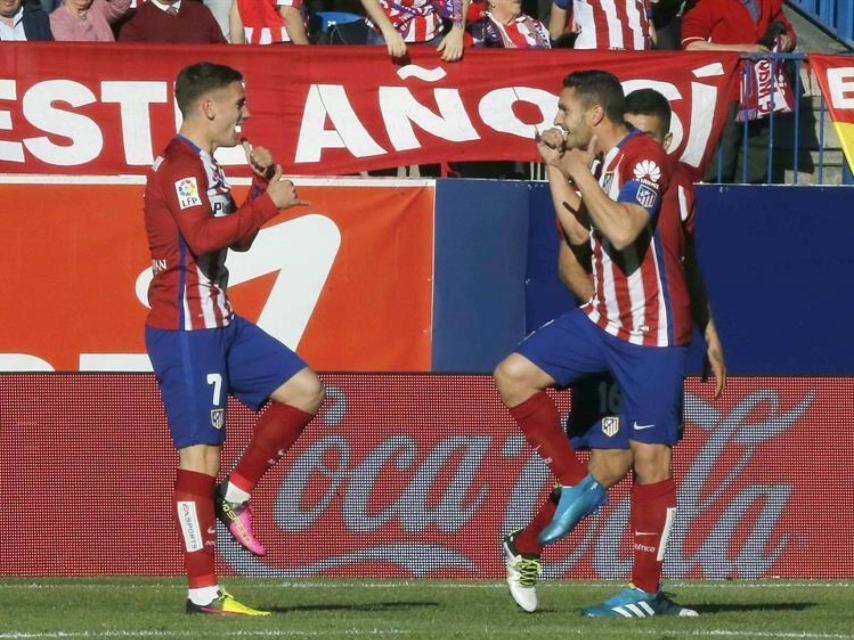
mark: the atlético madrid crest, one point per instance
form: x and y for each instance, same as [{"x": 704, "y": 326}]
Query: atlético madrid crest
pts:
[
  {"x": 217, "y": 418},
  {"x": 610, "y": 425}
]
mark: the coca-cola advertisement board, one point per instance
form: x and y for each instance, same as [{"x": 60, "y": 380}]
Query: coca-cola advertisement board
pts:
[{"x": 419, "y": 475}]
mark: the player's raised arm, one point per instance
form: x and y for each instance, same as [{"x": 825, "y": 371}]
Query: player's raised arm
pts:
[
  {"x": 622, "y": 220},
  {"x": 201, "y": 228}
]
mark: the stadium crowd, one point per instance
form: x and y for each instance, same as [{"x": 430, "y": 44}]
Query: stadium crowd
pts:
[
  {"x": 450, "y": 26},
  {"x": 580, "y": 24}
]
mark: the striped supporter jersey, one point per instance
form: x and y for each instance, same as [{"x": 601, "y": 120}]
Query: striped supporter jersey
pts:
[
  {"x": 640, "y": 294},
  {"x": 262, "y": 22},
  {"x": 610, "y": 24},
  {"x": 192, "y": 220},
  {"x": 418, "y": 20}
]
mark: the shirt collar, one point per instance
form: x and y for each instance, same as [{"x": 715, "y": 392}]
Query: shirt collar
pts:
[{"x": 164, "y": 7}]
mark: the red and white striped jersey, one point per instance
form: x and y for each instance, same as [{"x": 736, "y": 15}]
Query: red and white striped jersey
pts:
[
  {"x": 640, "y": 293},
  {"x": 524, "y": 32},
  {"x": 611, "y": 24},
  {"x": 191, "y": 220},
  {"x": 415, "y": 20},
  {"x": 262, "y": 22}
]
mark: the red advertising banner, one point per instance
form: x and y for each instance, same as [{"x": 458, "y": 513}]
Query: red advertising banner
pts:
[
  {"x": 836, "y": 78},
  {"x": 420, "y": 475},
  {"x": 69, "y": 108},
  {"x": 349, "y": 284}
]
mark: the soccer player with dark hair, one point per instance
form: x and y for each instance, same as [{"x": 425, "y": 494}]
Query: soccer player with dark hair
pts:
[
  {"x": 200, "y": 349},
  {"x": 634, "y": 325}
]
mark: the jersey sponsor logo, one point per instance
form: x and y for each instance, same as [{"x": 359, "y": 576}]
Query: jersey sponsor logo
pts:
[
  {"x": 646, "y": 196},
  {"x": 648, "y": 171},
  {"x": 217, "y": 418},
  {"x": 188, "y": 192},
  {"x": 610, "y": 426}
]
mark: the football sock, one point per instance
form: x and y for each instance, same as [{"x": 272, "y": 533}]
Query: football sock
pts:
[
  {"x": 540, "y": 422},
  {"x": 275, "y": 433},
  {"x": 653, "y": 514},
  {"x": 526, "y": 540},
  {"x": 235, "y": 494},
  {"x": 203, "y": 595},
  {"x": 194, "y": 502}
]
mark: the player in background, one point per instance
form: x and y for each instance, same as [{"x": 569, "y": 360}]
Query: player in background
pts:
[
  {"x": 200, "y": 349},
  {"x": 635, "y": 325}
]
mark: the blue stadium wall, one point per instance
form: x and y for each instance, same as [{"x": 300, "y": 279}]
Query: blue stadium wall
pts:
[{"x": 778, "y": 264}]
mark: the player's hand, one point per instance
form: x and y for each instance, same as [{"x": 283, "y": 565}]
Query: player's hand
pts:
[
  {"x": 395, "y": 44},
  {"x": 260, "y": 160},
  {"x": 574, "y": 161},
  {"x": 451, "y": 47},
  {"x": 283, "y": 192},
  {"x": 550, "y": 144},
  {"x": 715, "y": 356}
]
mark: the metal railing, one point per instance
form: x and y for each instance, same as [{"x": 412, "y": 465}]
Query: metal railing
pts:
[
  {"x": 837, "y": 16},
  {"x": 798, "y": 146}
]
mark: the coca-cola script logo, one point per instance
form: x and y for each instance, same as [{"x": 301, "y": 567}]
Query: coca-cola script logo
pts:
[{"x": 425, "y": 478}]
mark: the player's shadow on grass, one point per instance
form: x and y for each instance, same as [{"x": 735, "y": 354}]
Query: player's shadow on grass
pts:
[
  {"x": 367, "y": 606},
  {"x": 755, "y": 606}
]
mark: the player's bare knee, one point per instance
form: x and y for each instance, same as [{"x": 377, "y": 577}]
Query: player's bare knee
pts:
[
  {"x": 511, "y": 376},
  {"x": 652, "y": 463}
]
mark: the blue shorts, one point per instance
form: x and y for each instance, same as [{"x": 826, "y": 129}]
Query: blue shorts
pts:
[
  {"x": 649, "y": 378},
  {"x": 198, "y": 370}
]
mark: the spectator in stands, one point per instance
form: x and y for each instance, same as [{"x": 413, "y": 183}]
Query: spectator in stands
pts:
[
  {"x": 87, "y": 20},
  {"x": 266, "y": 22},
  {"x": 501, "y": 24},
  {"x": 622, "y": 24},
  {"x": 396, "y": 23},
  {"x": 172, "y": 21},
  {"x": 666, "y": 16},
  {"x": 21, "y": 20},
  {"x": 746, "y": 26},
  {"x": 221, "y": 10}
]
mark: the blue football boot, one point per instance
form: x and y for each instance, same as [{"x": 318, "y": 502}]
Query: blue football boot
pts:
[
  {"x": 576, "y": 502},
  {"x": 632, "y": 602}
]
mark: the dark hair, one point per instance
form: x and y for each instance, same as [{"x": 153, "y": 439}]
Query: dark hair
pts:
[
  {"x": 197, "y": 79},
  {"x": 649, "y": 102},
  {"x": 598, "y": 87}
]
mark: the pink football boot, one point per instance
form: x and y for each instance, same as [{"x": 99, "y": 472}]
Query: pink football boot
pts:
[{"x": 238, "y": 519}]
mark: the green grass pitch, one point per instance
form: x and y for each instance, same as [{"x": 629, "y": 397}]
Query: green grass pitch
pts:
[{"x": 152, "y": 608}]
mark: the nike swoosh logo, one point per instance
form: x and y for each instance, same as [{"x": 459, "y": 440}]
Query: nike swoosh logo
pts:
[{"x": 641, "y": 427}]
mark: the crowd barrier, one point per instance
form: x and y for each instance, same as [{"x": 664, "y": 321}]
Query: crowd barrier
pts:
[{"x": 420, "y": 475}]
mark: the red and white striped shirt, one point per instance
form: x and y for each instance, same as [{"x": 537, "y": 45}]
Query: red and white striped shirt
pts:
[
  {"x": 415, "y": 20},
  {"x": 640, "y": 293},
  {"x": 262, "y": 22},
  {"x": 611, "y": 24},
  {"x": 191, "y": 220}
]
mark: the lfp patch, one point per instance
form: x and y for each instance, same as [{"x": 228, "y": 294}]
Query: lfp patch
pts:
[{"x": 188, "y": 192}]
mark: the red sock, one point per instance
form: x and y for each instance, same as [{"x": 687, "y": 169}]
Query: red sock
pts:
[
  {"x": 653, "y": 514},
  {"x": 194, "y": 502},
  {"x": 526, "y": 539},
  {"x": 275, "y": 433},
  {"x": 540, "y": 422}
]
